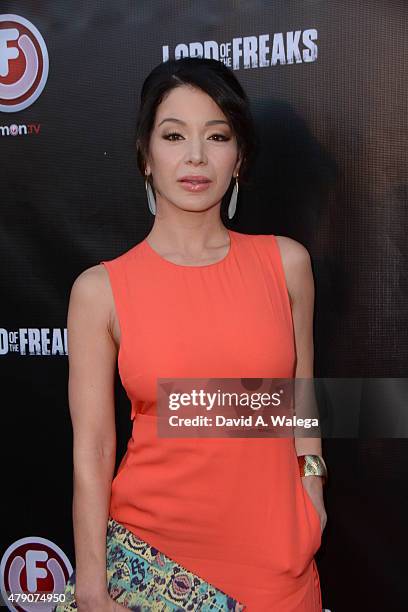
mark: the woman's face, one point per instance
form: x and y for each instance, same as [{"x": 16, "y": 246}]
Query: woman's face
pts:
[{"x": 191, "y": 137}]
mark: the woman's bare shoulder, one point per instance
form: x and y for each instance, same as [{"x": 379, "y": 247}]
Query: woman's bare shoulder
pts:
[
  {"x": 91, "y": 289},
  {"x": 92, "y": 282},
  {"x": 292, "y": 251},
  {"x": 297, "y": 267}
]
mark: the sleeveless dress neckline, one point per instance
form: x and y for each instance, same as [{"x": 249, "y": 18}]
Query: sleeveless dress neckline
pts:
[{"x": 149, "y": 249}]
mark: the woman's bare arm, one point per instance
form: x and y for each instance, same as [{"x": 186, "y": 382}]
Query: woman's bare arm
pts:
[
  {"x": 92, "y": 361},
  {"x": 300, "y": 284}
]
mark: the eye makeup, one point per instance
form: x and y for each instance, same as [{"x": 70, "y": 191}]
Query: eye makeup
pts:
[{"x": 221, "y": 137}]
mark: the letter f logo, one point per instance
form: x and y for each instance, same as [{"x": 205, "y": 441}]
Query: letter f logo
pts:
[
  {"x": 7, "y": 53},
  {"x": 23, "y": 63}
]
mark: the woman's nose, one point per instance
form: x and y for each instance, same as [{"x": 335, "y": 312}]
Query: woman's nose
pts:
[{"x": 196, "y": 152}]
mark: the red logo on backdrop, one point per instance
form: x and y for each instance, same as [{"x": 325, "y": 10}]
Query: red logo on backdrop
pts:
[
  {"x": 23, "y": 63},
  {"x": 33, "y": 574}
]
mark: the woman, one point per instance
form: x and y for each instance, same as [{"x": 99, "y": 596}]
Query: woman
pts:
[{"x": 194, "y": 299}]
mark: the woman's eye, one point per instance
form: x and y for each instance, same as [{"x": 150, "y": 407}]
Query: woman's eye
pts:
[
  {"x": 170, "y": 135},
  {"x": 221, "y": 136}
]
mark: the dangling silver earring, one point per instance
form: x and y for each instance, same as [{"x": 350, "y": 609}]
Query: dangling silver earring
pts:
[
  {"x": 150, "y": 196},
  {"x": 233, "y": 201}
]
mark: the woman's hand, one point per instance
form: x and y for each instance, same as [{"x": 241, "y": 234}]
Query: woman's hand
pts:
[
  {"x": 314, "y": 488},
  {"x": 104, "y": 604},
  {"x": 116, "y": 607}
]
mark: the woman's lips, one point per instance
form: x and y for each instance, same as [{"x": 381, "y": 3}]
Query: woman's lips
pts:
[{"x": 194, "y": 186}]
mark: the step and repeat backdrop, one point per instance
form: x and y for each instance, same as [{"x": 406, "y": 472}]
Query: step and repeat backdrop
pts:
[{"x": 327, "y": 81}]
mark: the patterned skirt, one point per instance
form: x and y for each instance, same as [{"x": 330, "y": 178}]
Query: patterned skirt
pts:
[{"x": 143, "y": 579}]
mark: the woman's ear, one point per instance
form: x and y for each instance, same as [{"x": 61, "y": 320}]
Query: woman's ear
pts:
[
  {"x": 237, "y": 166},
  {"x": 146, "y": 164}
]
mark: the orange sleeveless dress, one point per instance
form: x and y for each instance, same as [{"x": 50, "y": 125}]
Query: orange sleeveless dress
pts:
[{"x": 231, "y": 510}]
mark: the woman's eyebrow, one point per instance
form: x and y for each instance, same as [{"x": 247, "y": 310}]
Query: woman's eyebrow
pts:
[{"x": 211, "y": 122}]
